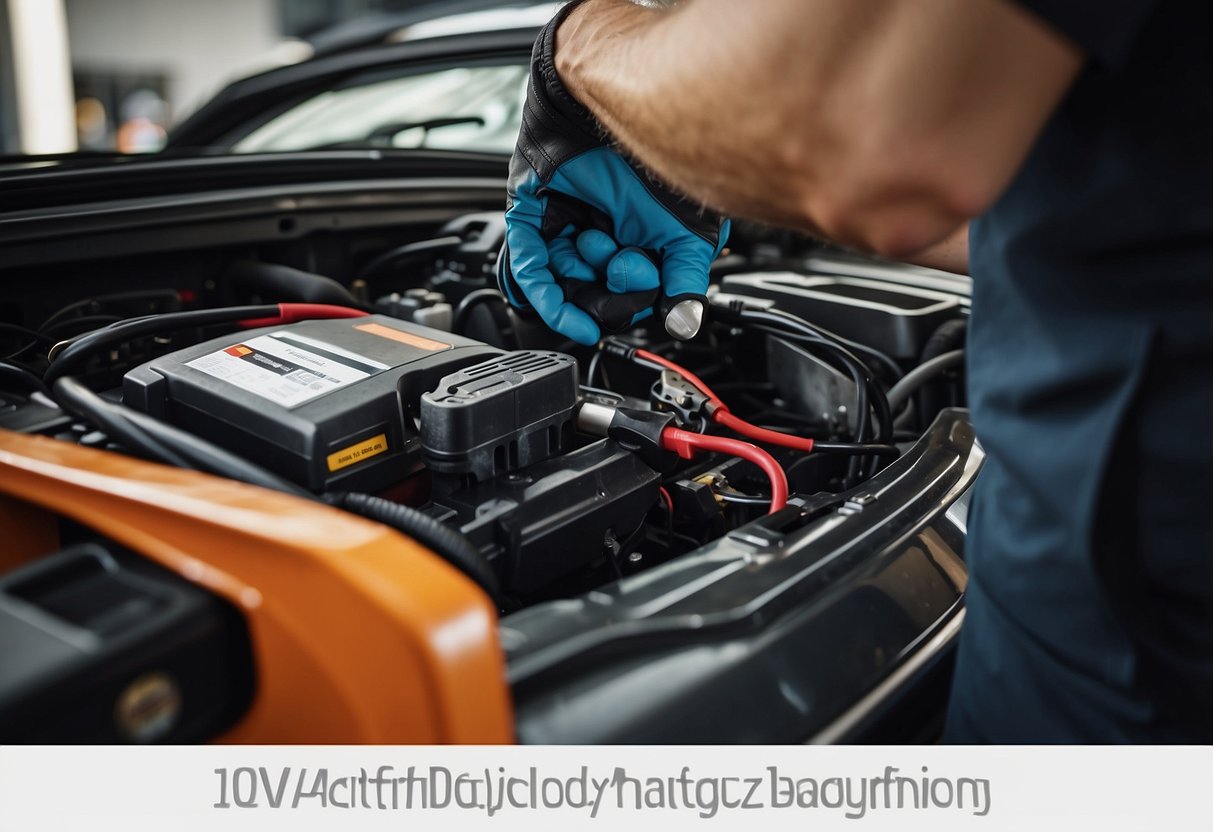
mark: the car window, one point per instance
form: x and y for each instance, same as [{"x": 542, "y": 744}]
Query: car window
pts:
[{"x": 474, "y": 108}]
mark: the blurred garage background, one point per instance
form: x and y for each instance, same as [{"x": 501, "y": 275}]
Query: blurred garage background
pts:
[{"x": 111, "y": 75}]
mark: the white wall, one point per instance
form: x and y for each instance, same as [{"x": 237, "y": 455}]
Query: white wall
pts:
[
  {"x": 198, "y": 44},
  {"x": 41, "y": 75}
]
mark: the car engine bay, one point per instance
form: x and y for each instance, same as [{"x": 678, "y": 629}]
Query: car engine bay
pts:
[
  {"x": 432, "y": 401},
  {"x": 403, "y": 389}
]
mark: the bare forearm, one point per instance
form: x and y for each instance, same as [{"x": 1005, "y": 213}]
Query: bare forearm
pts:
[
  {"x": 843, "y": 119},
  {"x": 694, "y": 139}
]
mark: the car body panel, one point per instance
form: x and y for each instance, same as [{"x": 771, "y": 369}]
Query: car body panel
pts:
[
  {"x": 359, "y": 634},
  {"x": 768, "y": 634}
]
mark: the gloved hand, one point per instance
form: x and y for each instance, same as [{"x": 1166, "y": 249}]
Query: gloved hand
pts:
[{"x": 584, "y": 228}]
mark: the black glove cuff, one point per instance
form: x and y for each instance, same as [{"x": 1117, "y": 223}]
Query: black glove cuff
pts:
[
  {"x": 555, "y": 126},
  {"x": 550, "y": 90}
]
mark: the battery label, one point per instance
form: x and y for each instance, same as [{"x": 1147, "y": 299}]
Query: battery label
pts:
[
  {"x": 286, "y": 368},
  {"x": 410, "y": 338},
  {"x": 357, "y": 452}
]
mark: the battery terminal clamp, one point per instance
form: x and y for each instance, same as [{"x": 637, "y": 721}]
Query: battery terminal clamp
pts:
[
  {"x": 653, "y": 436},
  {"x": 672, "y": 393}
]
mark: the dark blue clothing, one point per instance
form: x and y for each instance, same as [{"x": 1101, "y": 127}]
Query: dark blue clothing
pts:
[{"x": 1090, "y": 598}]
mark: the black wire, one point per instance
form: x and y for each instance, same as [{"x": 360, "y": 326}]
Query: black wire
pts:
[
  {"x": 95, "y": 304},
  {"x": 165, "y": 442},
  {"x": 420, "y": 250},
  {"x": 780, "y": 319},
  {"x": 33, "y": 336},
  {"x": 23, "y": 331},
  {"x": 74, "y": 354},
  {"x": 838, "y": 357},
  {"x": 114, "y": 421},
  {"x": 206, "y": 456},
  {"x": 883, "y": 358},
  {"x": 631, "y": 544},
  {"x": 858, "y": 448},
  {"x": 744, "y": 386},
  {"x": 452, "y": 544},
  {"x": 861, "y": 376},
  {"x": 75, "y": 326},
  {"x": 28, "y": 379},
  {"x": 879, "y": 401},
  {"x": 668, "y": 509},
  {"x": 742, "y": 499},
  {"x": 63, "y": 313},
  {"x": 856, "y": 367},
  {"x": 884, "y": 417},
  {"x": 627, "y": 545},
  {"x": 777, "y": 416},
  {"x": 593, "y": 368}
]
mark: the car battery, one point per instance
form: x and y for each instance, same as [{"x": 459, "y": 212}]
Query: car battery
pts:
[{"x": 329, "y": 404}]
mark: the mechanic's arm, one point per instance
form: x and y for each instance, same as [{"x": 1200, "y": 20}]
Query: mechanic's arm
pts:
[{"x": 880, "y": 124}]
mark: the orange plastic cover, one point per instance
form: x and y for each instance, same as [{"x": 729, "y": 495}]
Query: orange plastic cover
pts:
[{"x": 359, "y": 633}]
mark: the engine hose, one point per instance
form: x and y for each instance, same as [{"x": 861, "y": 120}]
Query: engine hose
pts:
[
  {"x": 449, "y": 543},
  {"x": 470, "y": 302},
  {"x": 920, "y": 375},
  {"x": 164, "y": 442},
  {"x": 277, "y": 283},
  {"x": 931, "y": 398},
  {"x": 113, "y": 420},
  {"x": 948, "y": 336},
  {"x": 410, "y": 253},
  {"x": 206, "y": 456}
]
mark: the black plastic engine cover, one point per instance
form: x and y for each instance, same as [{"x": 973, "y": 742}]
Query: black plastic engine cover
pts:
[
  {"x": 558, "y": 516},
  {"x": 896, "y": 320}
]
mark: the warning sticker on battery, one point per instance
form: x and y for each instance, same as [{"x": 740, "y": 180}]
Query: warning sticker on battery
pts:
[
  {"x": 357, "y": 452},
  {"x": 286, "y": 368}
]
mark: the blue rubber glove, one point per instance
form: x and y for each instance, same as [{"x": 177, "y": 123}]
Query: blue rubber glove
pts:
[
  {"x": 615, "y": 286},
  {"x": 570, "y": 196}
]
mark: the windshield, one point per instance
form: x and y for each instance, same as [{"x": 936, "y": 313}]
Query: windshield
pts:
[
  {"x": 464, "y": 108},
  {"x": 131, "y": 76}
]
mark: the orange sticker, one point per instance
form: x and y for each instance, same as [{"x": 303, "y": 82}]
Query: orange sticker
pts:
[
  {"x": 238, "y": 350},
  {"x": 403, "y": 337}
]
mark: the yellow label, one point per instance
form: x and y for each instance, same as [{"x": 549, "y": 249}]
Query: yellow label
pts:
[{"x": 356, "y": 453}]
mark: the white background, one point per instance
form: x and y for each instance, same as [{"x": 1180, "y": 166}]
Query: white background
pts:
[{"x": 1035, "y": 789}]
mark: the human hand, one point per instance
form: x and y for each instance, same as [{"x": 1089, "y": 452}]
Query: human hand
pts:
[{"x": 565, "y": 182}]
